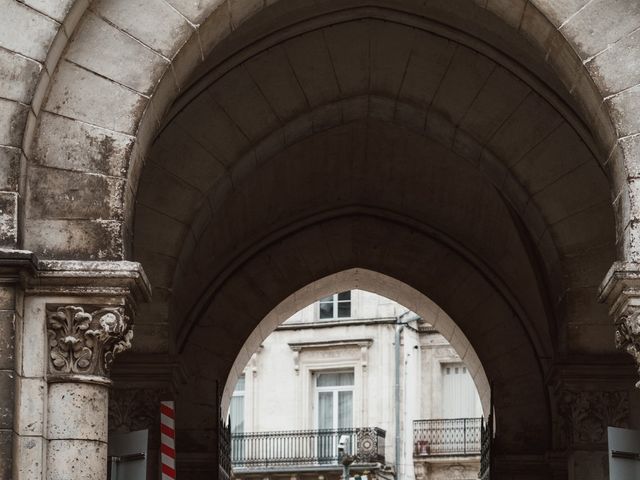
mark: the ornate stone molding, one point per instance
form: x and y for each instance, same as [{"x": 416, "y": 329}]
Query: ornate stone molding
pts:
[
  {"x": 585, "y": 415},
  {"x": 620, "y": 289},
  {"x": 85, "y": 342},
  {"x": 135, "y": 408}
]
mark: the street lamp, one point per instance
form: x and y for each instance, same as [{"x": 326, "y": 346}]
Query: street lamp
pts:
[{"x": 343, "y": 457}]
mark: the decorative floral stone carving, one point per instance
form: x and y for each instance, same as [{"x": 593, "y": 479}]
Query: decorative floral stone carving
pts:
[
  {"x": 628, "y": 335},
  {"x": 134, "y": 408},
  {"x": 585, "y": 415},
  {"x": 84, "y": 342}
]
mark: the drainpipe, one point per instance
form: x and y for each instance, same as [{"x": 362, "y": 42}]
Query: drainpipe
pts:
[{"x": 399, "y": 328}]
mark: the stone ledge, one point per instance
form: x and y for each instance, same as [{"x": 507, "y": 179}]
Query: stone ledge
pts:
[
  {"x": 621, "y": 282},
  {"x": 75, "y": 277}
]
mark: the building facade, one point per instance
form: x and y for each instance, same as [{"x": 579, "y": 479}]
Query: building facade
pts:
[{"x": 355, "y": 363}]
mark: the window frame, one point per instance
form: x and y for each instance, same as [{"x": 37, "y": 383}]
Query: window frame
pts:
[
  {"x": 335, "y": 303},
  {"x": 335, "y": 391}
]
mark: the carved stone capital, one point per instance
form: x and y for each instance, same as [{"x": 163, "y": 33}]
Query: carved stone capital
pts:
[
  {"x": 585, "y": 415},
  {"x": 135, "y": 408},
  {"x": 621, "y": 291},
  {"x": 84, "y": 342}
]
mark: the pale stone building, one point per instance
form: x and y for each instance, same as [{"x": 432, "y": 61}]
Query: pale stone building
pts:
[
  {"x": 333, "y": 369},
  {"x": 252, "y": 156}
]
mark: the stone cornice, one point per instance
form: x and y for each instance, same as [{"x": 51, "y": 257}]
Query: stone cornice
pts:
[
  {"x": 88, "y": 278},
  {"x": 74, "y": 277},
  {"x": 603, "y": 371},
  {"x": 356, "y": 342}
]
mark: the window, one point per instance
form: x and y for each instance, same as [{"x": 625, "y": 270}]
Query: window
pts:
[
  {"x": 459, "y": 395},
  {"x": 334, "y": 404},
  {"x": 335, "y": 306},
  {"x": 335, "y": 400},
  {"x": 236, "y": 408},
  {"x": 236, "y": 420}
]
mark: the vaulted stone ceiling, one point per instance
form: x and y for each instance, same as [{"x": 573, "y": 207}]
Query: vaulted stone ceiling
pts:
[{"x": 377, "y": 138}]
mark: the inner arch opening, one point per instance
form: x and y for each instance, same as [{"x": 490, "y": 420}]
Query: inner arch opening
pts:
[{"x": 370, "y": 281}]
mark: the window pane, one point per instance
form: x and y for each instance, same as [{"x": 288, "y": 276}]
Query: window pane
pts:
[
  {"x": 325, "y": 410},
  {"x": 328, "y": 299},
  {"x": 236, "y": 412},
  {"x": 240, "y": 384},
  {"x": 345, "y": 409},
  {"x": 345, "y": 378},
  {"x": 327, "y": 379},
  {"x": 344, "y": 295},
  {"x": 344, "y": 309},
  {"x": 337, "y": 379},
  {"x": 326, "y": 310}
]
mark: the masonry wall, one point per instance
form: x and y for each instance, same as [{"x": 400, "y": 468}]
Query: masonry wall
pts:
[{"x": 7, "y": 376}]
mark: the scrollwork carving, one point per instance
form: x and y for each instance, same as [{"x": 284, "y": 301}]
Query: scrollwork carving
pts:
[{"x": 82, "y": 342}]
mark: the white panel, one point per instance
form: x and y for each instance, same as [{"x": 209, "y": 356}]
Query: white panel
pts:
[
  {"x": 628, "y": 442},
  {"x": 459, "y": 395}
]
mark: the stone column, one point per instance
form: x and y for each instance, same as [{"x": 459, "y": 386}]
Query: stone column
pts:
[
  {"x": 75, "y": 318},
  {"x": 83, "y": 341}
]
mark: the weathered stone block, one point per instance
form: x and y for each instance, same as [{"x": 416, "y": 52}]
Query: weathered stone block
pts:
[
  {"x": 153, "y": 22},
  {"x": 71, "y": 239},
  {"x": 6, "y": 447},
  {"x": 559, "y": 12},
  {"x": 196, "y": 12},
  {"x": 7, "y": 392},
  {"x": 8, "y": 219},
  {"x": 7, "y": 340},
  {"x": 30, "y": 402},
  {"x": 18, "y": 76},
  {"x": 7, "y": 297},
  {"x": 73, "y": 145},
  {"x": 57, "y": 193},
  {"x": 28, "y": 457},
  {"x": 612, "y": 21},
  {"x": 9, "y": 168},
  {"x": 92, "y": 99},
  {"x": 86, "y": 459},
  {"x": 12, "y": 122},
  {"x": 18, "y": 18},
  {"x": 56, "y": 9},
  {"x": 77, "y": 411},
  {"x": 123, "y": 59},
  {"x": 617, "y": 68},
  {"x": 623, "y": 109}
]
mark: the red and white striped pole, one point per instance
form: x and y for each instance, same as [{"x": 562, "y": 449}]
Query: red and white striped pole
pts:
[{"x": 168, "y": 440}]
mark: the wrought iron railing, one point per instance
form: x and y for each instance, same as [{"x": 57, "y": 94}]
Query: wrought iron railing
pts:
[
  {"x": 458, "y": 436},
  {"x": 485, "y": 454},
  {"x": 305, "y": 447},
  {"x": 224, "y": 451}
]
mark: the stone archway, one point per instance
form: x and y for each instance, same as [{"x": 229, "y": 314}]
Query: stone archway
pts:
[
  {"x": 368, "y": 280},
  {"x": 104, "y": 95}
]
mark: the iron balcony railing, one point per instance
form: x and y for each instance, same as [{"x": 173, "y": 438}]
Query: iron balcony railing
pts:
[
  {"x": 485, "y": 455},
  {"x": 447, "y": 437},
  {"x": 305, "y": 447},
  {"x": 224, "y": 451}
]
